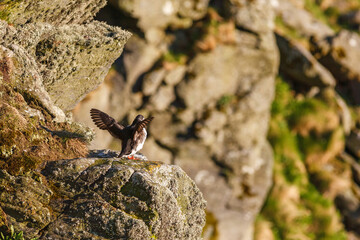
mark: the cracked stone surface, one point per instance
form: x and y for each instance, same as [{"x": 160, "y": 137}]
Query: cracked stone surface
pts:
[
  {"x": 55, "y": 12},
  {"x": 103, "y": 197}
]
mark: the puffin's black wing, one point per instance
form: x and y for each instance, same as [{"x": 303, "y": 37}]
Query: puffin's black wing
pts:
[
  {"x": 139, "y": 127},
  {"x": 105, "y": 122}
]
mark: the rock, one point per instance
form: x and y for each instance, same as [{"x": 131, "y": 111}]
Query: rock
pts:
[
  {"x": 106, "y": 198},
  {"x": 80, "y": 58},
  {"x": 351, "y": 18},
  {"x": 207, "y": 130},
  {"x": 349, "y": 205},
  {"x": 340, "y": 54},
  {"x": 338, "y": 5},
  {"x": 152, "y": 81},
  {"x": 255, "y": 16},
  {"x": 25, "y": 200},
  {"x": 162, "y": 99},
  {"x": 193, "y": 9},
  {"x": 20, "y": 71},
  {"x": 345, "y": 114},
  {"x": 186, "y": 116},
  {"x": 3, "y": 222},
  {"x": 84, "y": 56},
  {"x": 161, "y": 14},
  {"x": 216, "y": 120},
  {"x": 224, "y": 63},
  {"x": 353, "y": 143},
  {"x": 140, "y": 58},
  {"x": 301, "y": 20},
  {"x": 230, "y": 221},
  {"x": 128, "y": 199},
  {"x": 167, "y": 136},
  {"x": 174, "y": 76},
  {"x": 300, "y": 65},
  {"x": 153, "y": 151},
  {"x": 54, "y": 12}
]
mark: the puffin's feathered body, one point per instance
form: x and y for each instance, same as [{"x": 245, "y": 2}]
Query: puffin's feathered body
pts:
[{"x": 132, "y": 136}]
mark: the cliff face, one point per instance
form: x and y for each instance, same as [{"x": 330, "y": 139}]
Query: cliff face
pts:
[
  {"x": 207, "y": 71},
  {"x": 52, "y": 53}
]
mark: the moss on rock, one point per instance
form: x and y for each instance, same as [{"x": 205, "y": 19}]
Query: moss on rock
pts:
[{"x": 24, "y": 146}]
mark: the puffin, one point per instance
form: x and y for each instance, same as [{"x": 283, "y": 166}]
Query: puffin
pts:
[{"x": 132, "y": 136}]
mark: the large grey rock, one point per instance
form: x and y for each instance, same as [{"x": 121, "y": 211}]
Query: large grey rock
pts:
[
  {"x": 162, "y": 13},
  {"x": 207, "y": 69},
  {"x": 20, "y": 71},
  {"x": 234, "y": 214},
  {"x": 72, "y": 59},
  {"x": 104, "y": 198},
  {"x": 152, "y": 81},
  {"x": 340, "y": 54},
  {"x": 66, "y": 62},
  {"x": 55, "y": 12},
  {"x": 256, "y": 16},
  {"x": 351, "y": 18},
  {"x": 303, "y": 21},
  {"x": 25, "y": 200},
  {"x": 300, "y": 65}
]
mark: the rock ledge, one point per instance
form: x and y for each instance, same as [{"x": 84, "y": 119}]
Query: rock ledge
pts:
[{"x": 103, "y": 197}]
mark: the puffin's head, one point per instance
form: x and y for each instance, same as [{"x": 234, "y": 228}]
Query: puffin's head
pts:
[{"x": 138, "y": 118}]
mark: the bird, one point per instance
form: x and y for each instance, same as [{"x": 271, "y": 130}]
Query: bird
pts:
[{"x": 132, "y": 136}]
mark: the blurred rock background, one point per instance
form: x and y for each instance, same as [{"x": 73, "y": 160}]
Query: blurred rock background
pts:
[{"x": 248, "y": 96}]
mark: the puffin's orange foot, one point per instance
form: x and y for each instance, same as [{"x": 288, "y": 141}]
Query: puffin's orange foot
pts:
[{"x": 131, "y": 157}]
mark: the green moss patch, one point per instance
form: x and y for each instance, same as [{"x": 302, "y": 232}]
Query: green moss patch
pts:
[
  {"x": 7, "y": 7},
  {"x": 306, "y": 136},
  {"x": 24, "y": 145}
]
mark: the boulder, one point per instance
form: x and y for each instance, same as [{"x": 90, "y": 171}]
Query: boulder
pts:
[
  {"x": 351, "y": 18},
  {"x": 104, "y": 197},
  {"x": 340, "y": 54},
  {"x": 70, "y": 59},
  {"x": 160, "y": 14},
  {"x": 255, "y": 16},
  {"x": 300, "y": 65},
  {"x": 303, "y": 21}
]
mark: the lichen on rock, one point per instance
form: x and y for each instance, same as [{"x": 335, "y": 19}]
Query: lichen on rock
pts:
[{"x": 116, "y": 198}]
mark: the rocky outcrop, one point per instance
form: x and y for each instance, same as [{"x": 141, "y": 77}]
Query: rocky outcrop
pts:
[
  {"x": 66, "y": 59},
  {"x": 299, "y": 64},
  {"x": 340, "y": 54},
  {"x": 104, "y": 198},
  {"x": 47, "y": 11},
  {"x": 303, "y": 21}
]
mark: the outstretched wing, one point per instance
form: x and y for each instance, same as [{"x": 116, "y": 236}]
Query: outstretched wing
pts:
[
  {"x": 105, "y": 122},
  {"x": 140, "y": 125}
]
